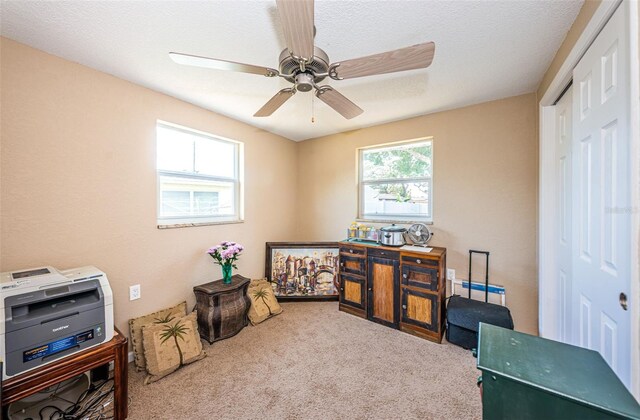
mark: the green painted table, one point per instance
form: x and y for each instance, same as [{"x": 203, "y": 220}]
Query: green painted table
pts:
[{"x": 528, "y": 377}]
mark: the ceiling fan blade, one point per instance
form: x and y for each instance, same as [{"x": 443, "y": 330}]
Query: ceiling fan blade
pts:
[
  {"x": 274, "y": 103},
  {"x": 214, "y": 63},
  {"x": 338, "y": 101},
  {"x": 409, "y": 58},
  {"x": 297, "y": 21}
]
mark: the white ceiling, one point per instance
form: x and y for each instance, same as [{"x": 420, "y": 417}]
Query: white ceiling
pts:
[{"x": 485, "y": 50}]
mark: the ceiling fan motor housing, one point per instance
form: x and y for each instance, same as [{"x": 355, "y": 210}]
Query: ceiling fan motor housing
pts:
[{"x": 319, "y": 64}]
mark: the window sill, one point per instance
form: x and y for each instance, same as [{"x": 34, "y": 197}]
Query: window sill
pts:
[
  {"x": 194, "y": 224},
  {"x": 397, "y": 221}
]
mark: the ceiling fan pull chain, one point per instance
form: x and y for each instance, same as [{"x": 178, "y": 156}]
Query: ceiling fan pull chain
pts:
[{"x": 313, "y": 109}]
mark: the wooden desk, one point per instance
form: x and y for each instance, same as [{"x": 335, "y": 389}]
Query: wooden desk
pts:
[{"x": 115, "y": 351}]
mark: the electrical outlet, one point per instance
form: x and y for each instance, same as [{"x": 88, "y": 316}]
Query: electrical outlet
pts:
[
  {"x": 451, "y": 274},
  {"x": 134, "y": 292}
]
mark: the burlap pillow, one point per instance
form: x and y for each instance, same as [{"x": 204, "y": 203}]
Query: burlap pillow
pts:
[
  {"x": 169, "y": 345},
  {"x": 263, "y": 302},
  {"x": 135, "y": 330}
]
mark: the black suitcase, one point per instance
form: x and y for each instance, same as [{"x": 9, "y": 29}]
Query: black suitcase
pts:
[{"x": 465, "y": 314}]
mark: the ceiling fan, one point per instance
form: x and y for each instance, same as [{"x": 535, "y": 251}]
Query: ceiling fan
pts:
[{"x": 305, "y": 65}]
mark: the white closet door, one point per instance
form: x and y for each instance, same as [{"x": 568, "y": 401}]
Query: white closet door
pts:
[
  {"x": 563, "y": 239},
  {"x": 601, "y": 196}
]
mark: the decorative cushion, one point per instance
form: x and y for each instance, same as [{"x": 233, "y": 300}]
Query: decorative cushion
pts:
[
  {"x": 169, "y": 344},
  {"x": 263, "y": 302},
  {"x": 135, "y": 330}
]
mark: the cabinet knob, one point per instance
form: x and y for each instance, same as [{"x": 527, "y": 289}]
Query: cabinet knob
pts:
[
  {"x": 351, "y": 251},
  {"x": 382, "y": 253},
  {"x": 342, "y": 289},
  {"x": 370, "y": 289},
  {"x": 341, "y": 264},
  {"x": 404, "y": 276},
  {"x": 404, "y": 306},
  {"x": 419, "y": 261}
]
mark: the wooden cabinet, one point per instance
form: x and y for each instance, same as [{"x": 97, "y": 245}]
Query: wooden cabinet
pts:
[
  {"x": 419, "y": 309},
  {"x": 383, "y": 278},
  {"x": 423, "y": 277},
  {"x": 353, "y": 284},
  {"x": 350, "y": 264},
  {"x": 352, "y": 291},
  {"x": 404, "y": 290},
  {"x": 423, "y": 292}
]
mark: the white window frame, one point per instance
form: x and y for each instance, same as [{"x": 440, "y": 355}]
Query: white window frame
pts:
[
  {"x": 403, "y": 218},
  {"x": 236, "y": 180}
]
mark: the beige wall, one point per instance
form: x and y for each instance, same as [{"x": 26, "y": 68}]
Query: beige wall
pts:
[
  {"x": 485, "y": 189},
  {"x": 584, "y": 16},
  {"x": 79, "y": 182}
]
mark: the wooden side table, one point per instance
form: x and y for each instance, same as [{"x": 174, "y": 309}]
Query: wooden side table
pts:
[
  {"x": 115, "y": 351},
  {"x": 222, "y": 308}
]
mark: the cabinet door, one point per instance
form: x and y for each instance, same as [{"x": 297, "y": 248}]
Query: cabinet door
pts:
[
  {"x": 353, "y": 265},
  {"x": 420, "y": 309},
  {"x": 423, "y": 277},
  {"x": 383, "y": 290},
  {"x": 352, "y": 291}
]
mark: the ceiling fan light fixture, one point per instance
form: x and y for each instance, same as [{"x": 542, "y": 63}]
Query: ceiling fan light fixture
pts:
[{"x": 304, "y": 82}]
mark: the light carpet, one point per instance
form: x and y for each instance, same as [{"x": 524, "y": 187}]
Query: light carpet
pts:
[{"x": 315, "y": 362}]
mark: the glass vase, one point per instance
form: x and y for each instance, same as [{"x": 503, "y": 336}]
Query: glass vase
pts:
[{"x": 227, "y": 272}]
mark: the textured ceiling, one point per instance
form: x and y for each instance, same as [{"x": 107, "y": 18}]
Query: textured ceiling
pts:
[{"x": 485, "y": 50}]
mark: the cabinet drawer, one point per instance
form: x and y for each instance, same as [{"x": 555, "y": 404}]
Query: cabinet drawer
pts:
[
  {"x": 352, "y": 250},
  {"x": 420, "y": 309},
  {"x": 384, "y": 253},
  {"x": 419, "y": 260},
  {"x": 352, "y": 291},
  {"x": 420, "y": 276},
  {"x": 353, "y": 265}
]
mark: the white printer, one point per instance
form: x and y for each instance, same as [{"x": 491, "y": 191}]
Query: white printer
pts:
[{"x": 46, "y": 314}]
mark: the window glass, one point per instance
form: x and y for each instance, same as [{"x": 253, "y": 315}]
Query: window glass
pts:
[
  {"x": 396, "y": 182},
  {"x": 407, "y": 161},
  {"x": 175, "y": 150},
  {"x": 198, "y": 177},
  {"x": 214, "y": 158},
  {"x": 175, "y": 203}
]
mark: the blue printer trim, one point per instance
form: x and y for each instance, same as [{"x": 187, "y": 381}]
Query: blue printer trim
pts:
[{"x": 56, "y": 346}]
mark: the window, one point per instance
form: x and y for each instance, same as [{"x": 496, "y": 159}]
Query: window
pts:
[
  {"x": 395, "y": 181},
  {"x": 198, "y": 177}
]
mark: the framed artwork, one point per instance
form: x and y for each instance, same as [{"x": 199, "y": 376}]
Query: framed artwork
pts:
[{"x": 303, "y": 270}]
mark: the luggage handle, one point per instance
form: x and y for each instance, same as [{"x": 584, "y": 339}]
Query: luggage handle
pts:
[{"x": 486, "y": 274}]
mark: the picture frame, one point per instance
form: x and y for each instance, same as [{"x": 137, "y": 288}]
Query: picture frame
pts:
[{"x": 303, "y": 271}]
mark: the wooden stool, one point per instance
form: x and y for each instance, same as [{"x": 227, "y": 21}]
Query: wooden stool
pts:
[{"x": 222, "y": 308}]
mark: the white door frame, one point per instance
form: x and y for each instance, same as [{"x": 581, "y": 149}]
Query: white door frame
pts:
[{"x": 548, "y": 282}]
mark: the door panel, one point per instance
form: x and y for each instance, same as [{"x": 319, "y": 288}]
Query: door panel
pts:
[
  {"x": 564, "y": 133},
  {"x": 420, "y": 308},
  {"x": 352, "y": 291},
  {"x": 601, "y": 260},
  {"x": 383, "y": 290}
]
